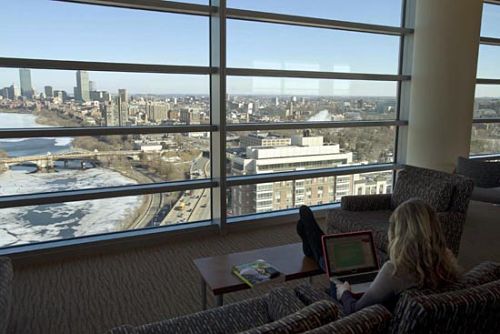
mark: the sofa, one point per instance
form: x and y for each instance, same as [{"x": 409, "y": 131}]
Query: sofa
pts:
[
  {"x": 448, "y": 194},
  {"x": 486, "y": 177},
  {"x": 281, "y": 308},
  {"x": 471, "y": 305},
  {"x": 280, "y": 311}
]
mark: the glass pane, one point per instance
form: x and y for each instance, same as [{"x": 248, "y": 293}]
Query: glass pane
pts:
[
  {"x": 54, "y": 164},
  {"x": 488, "y": 62},
  {"x": 69, "y": 31},
  {"x": 38, "y": 223},
  {"x": 81, "y": 98},
  {"x": 262, "y": 99},
  {"x": 490, "y": 26},
  {"x": 276, "y": 46},
  {"x": 487, "y": 103},
  {"x": 387, "y": 12},
  {"x": 265, "y": 197},
  {"x": 293, "y": 150},
  {"x": 485, "y": 139}
]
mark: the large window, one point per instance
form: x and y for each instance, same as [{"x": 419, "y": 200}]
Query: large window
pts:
[
  {"x": 485, "y": 138},
  {"x": 156, "y": 115}
]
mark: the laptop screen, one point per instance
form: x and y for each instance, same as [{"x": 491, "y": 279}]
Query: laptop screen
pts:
[{"x": 349, "y": 253}]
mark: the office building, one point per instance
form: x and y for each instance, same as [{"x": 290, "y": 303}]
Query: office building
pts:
[
  {"x": 190, "y": 116},
  {"x": 14, "y": 91},
  {"x": 110, "y": 113},
  {"x": 49, "y": 91},
  {"x": 157, "y": 111},
  {"x": 25, "y": 80},
  {"x": 301, "y": 153},
  {"x": 82, "y": 89},
  {"x": 122, "y": 93}
]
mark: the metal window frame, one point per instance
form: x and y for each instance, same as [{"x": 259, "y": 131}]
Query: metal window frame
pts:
[
  {"x": 218, "y": 15},
  {"x": 491, "y": 41},
  {"x": 101, "y": 193},
  {"x": 486, "y": 120},
  {"x": 307, "y": 174}
]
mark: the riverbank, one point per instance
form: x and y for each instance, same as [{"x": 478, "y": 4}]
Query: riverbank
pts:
[{"x": 52, "y": 118}]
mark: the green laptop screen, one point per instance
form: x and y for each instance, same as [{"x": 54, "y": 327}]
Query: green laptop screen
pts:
[{"x": 350, "y": 252}]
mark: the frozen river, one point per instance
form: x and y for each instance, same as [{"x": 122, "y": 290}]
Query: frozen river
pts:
[{"x": 56, "y": 221}]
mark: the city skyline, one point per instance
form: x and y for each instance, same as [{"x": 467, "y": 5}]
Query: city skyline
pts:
[{"x": 185, "y": 41}]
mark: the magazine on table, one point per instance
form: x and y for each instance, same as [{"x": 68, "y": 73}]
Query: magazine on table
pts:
[{"x": 256, "y": 272}]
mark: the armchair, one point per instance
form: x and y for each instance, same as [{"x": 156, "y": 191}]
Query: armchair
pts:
[{"x": 448, "y": 194}]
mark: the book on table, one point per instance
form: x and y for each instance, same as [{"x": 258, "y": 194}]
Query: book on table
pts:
[{"x": 256, "y": 272}]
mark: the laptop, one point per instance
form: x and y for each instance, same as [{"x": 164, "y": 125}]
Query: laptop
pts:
[{"x": 350, "y": 257}]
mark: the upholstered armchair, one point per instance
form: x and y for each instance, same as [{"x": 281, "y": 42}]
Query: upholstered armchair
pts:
[{"x": 447, "y": 193}]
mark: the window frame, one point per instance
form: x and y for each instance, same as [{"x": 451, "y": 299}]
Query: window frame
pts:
[
  {"x": 491, "y": 41},
  {"x": 218, "y": 72}
]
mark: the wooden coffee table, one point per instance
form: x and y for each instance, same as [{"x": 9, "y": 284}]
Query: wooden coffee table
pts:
[{"x": 216, "y": 271}]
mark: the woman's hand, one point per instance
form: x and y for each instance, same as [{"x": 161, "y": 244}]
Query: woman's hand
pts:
[{"x": 341, "y": 288}]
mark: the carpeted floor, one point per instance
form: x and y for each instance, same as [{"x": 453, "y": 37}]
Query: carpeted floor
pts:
[{"x": 94, "y": 293}]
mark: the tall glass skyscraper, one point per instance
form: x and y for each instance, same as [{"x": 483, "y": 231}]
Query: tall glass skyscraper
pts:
[
  {"x": 25, "y": 79},
  {"x": 82, "y": 91}
]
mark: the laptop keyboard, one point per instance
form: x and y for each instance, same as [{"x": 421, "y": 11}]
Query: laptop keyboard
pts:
[{"x": 362, "y": 278}]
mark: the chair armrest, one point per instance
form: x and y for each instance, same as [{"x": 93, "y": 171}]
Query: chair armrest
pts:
[{"x": 366, "y": 202}]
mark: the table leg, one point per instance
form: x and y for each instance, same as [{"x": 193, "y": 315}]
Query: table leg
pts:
[
  {"x": 220, "y": 300},
  {"x": 203, "y": 294}
]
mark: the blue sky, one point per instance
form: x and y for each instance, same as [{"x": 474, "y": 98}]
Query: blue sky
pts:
[{"x": 55, "y": 30}]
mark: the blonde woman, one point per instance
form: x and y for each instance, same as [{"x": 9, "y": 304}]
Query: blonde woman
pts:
[{"x": 418, "y": 256}]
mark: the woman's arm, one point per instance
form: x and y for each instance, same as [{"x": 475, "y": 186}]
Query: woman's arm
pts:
[{"x": 383, "y": 289}]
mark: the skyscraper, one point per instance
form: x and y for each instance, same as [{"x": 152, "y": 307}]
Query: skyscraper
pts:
[
  {"x": 92, "y": 86},
  {"x": 122, "y": 104},
  {"x": 49, "y": 91},
  {"x": 25, "y": 79},
  {"x": 82, "y": 91},
  {"x": 123, "y": 95}
]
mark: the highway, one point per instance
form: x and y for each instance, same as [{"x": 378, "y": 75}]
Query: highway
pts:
[{"x": 192, "y": 205}]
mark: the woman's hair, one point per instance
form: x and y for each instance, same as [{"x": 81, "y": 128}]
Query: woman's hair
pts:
[{"x": 417, "y": 246}]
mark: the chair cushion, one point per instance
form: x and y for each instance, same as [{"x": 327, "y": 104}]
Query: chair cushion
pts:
[
  {"x": 312, "y": 316},
  {"x": 282, "y": 302},
  {"x": 488, "y": 195},
  {"x": 436, "y": 192},
  {"x": 351, "y": 221},
  {"x": 370, "y": 320},
  {"x": 485, "y": 174}
]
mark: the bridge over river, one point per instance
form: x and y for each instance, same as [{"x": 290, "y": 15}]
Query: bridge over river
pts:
[{"x": 47, "y": 161}]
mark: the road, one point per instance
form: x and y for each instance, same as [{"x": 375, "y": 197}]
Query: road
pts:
[{"x": 193, "y": 205}]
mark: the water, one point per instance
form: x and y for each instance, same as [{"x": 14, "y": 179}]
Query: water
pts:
[
  {"x": 56, "y": 221},
  {"x": 19, "y": 147}
]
